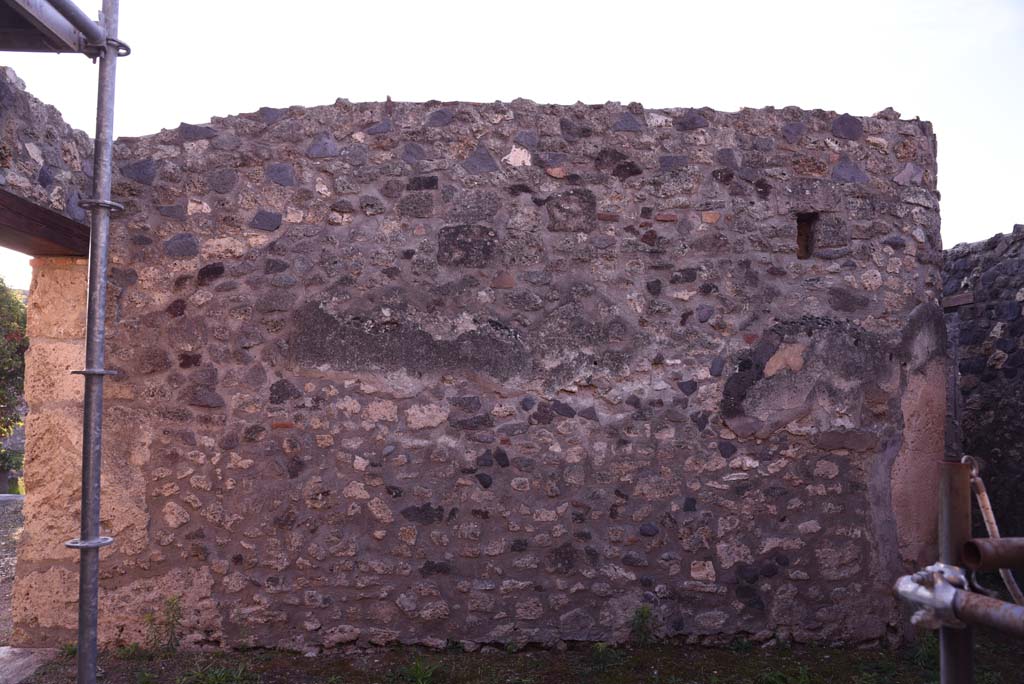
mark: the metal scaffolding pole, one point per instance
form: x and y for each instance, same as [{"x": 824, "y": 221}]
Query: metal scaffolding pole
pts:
[{"x": 90, "y": 541}]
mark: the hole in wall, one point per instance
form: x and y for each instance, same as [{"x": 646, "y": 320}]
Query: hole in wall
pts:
[{"x": 805, "y": 234}]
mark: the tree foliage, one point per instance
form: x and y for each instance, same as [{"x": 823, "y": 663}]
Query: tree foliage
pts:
[{"x": 13, "y": 344}]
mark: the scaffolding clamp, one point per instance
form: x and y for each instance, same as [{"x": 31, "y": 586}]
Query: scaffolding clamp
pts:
[
  {"x": 933, "y": 592},
  {"x": 96, "y": 543},
  {"x": 94, "y": 371},
  {"x": 90, "y": 203}
]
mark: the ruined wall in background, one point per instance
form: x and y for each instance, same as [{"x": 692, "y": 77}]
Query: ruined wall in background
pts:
[
  {"x": 42, "y": 159},
  {"x": 509, "y": 372},
  {"x": 992, "y": 365}
]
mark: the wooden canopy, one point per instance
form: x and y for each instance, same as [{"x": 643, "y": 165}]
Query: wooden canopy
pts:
[{"x": 35, "y": 230}]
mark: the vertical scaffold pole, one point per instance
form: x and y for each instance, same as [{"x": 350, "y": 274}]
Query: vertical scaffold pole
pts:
[
  {"x": 955, "y": 645},
  {"x": 90, "y": 541}
]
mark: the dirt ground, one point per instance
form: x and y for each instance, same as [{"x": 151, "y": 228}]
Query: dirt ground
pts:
[
  {"x": 10, "y": 530},
  {"x": 663, "y": 663}
]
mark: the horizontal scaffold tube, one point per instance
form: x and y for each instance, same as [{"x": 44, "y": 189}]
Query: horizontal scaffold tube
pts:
[{"x": 994, "y": 554}]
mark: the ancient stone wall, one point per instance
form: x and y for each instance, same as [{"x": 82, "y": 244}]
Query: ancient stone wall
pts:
[
  {"x": 986, "y": 282},
  {"x": 42, "y": 159},
  {"x": 510, "y": 372}
]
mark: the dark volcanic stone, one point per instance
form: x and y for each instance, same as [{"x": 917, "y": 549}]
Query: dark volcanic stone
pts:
[
  {"x": 563, "y": 409},
  {"x": 691, "y": 121},
  {"x": 473, "y": 206},
  {"x": 654, "y": 287},
  {"x": 266, "y": 220},
  {"x": 380, "y": 128},
  {"x": 627, "y": 123},
  {"x": 123, "y": 277},
  {"x": 704, "y": 312},
  {"x": 343, "y": 206},
  {"x": 519, "y": 545},
  {"x": 793, "y": 131},
  {"x": 485, "y": 480},
  {"x": 607, "y": 159},
  {"x": 589, "y": 413},
  {"x": 717, "y": 366},
  {"x": 562, "y": 560},
  {"x": 528, "y": 139},
  {"x": 412, "y": 153},
  {"x": 626, "y": 169},
  {"x": 632, "y": 559},
  {"x": 689, "y": 504},
  {"x": 648, "y": 530},
  {"x": 727, "y": 449},
  {"x": 688, "y": 387},
  {"x": 848, "y": 172},
  {"x": 191, "y": 132},
  {"x": 222, "y": 180},
  {"x": 894, "y": 241},
  {"x": 181, "y": 246},
  {"x": 673, "y": 162},
  {"x": 416, "y": 205},
  {"x": 271, "y": 115},
  {"x": 480, "y": 422},
  {"x": 842, "y": 299},
  {"x": 747, "y": 573},
  {"x": 283, "y": 390},
  {"x": 440, "y": 117},
  {"x": 723, "y": 175},
  {"x": 189, "y": 360},
  {"x": 280, "y": 173},
  {"x": 177, "y": 307},
  {"x": 323, "y": 146},
  {"x": 424, "y": 514},
  {"x": 468, "y": 404},
  {"x": 466, "y": 246},
  {"x": 370, "y": 205},
  {"x": 143, "y": 171},
  {"x": 848, "y": 127},
  {"x": 485, "y": 460},
  {"x": 422, "y": 183},
  {"x": 501, "y": 457},
  {"x": 352, "y": 342},
  {"x": 203, "y": 396},
  {"x": 272, "y": 265},
  {"x": 435, "y": 568},
  {"x": 574, "y": 210},
  {"x": 573, "y": 130},
  {"x": 173, "y": 211},
  {"x": 207, "y": 274},
  {"x": 480, "y": 161}
]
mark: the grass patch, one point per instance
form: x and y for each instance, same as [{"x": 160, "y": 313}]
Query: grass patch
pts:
[
  {"x": 218, "y": 674},
  {"x": 664, "y": 662}
]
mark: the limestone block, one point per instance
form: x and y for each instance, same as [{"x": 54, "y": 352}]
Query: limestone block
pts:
[
  {"x": 48, "y": 366},
  {"x": 57, "y": 300}
]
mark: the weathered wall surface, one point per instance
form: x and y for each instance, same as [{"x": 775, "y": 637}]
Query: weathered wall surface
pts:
[
  {"x": 507, "y": 372},
  {"x": 42, "y": 159},
  {"x": 992, "y": 365}
]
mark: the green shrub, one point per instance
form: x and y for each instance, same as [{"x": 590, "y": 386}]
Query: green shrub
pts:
[
  {"x": 641, "y": 628},
  {"x": 163, "y": 630}
]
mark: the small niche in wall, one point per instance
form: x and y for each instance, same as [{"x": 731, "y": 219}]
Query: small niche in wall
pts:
[{"x": 805, "y": 223}]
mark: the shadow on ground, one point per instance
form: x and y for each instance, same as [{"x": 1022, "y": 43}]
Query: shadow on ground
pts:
[{"x": 741, "y": 663}]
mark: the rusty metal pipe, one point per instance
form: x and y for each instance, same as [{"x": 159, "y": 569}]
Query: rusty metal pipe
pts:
[
  {"x": 994, "y": 554},
  {"x": 978, "y": 609},
  {"x": 956, "y": 657}
]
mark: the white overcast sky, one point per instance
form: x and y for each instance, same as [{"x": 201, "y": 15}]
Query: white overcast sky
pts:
[{"x": 956, "y": 63}]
